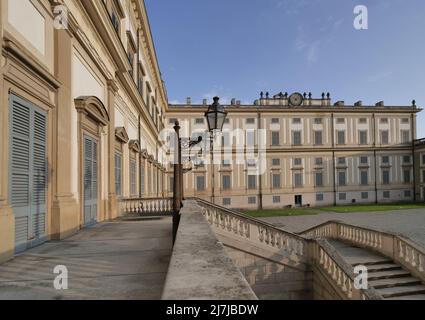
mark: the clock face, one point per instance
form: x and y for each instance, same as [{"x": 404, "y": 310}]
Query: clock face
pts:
[{"x": 296, "y": 99}]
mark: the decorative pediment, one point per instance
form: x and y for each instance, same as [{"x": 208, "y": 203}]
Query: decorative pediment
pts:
[
  {"x": 121, "y": 135},
  {"x": 134, "y": 145},
  {"x": 93, "y": 108}
]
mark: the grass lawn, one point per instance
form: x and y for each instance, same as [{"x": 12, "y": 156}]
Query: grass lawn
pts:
[{"x": 337, "y": 209}]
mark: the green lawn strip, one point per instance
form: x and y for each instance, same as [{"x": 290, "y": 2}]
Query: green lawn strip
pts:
[
  {"x": 281, "y": 213},
  {"x": 372, "y": 208}
]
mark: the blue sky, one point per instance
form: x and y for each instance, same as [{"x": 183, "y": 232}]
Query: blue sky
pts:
[{"x": 237, "y": 48}]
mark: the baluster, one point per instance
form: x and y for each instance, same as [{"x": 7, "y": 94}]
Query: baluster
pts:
[
  {"x": 334, "y": 274},
  {"x": 420, "y": 262},
  {"x": 344, "y": 283},
  {"x": 321, "y": 261},
  {"x": 339, "y": 277},
  {"x": 406, "y": 256},
  {"x": 350, "y": 289},
  {"x": 413, "y": 258}
]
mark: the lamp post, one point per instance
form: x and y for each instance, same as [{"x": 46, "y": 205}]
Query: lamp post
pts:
[
  {"x": 216, "y": 116},
  {"x": 178, "y": 176}
]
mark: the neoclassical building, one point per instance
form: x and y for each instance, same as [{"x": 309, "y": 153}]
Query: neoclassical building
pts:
[
  {"x": 82, "y": 105},
  {"x": 294, "y": 150}
]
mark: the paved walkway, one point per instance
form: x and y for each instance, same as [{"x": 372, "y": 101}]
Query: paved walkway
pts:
[
  {"x": 410, "y": 223},
  {"x": 114, "y": 260}
]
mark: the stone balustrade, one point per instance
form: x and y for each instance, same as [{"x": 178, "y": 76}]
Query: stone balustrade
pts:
[
  {"x": 147, "y": 206},
  {"x": 398, "y": 248}
]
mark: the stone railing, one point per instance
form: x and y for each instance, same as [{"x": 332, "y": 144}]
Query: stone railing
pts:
[
  {"x": 398, "y": 248},
  {"x": 200, "y": 268},
  {"x": 146, "y": 207},
  {"x": 260, "y": 237},
  {"x": 338, "y": 272}
]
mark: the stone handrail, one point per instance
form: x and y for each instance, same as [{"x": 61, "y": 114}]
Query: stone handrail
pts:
[
  {"x": 146, "y": 206},
  {"x": 260, "y": 235},
  {"x": 398, "y": 248},
  {"x": 200, "y": 267},
  {"x": 338, "y": 272}
]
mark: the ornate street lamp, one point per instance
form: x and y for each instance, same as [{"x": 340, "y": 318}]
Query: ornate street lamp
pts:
[{"x": 216, "y": 117}]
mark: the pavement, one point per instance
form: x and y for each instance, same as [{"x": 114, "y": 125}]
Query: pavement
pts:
[
  {"x": 409, "y": 223},
  {"x": 123, "y": 260}
]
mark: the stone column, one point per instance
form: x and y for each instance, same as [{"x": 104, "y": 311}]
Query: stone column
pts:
[
  {"x": 65, "y": 218},
  {"x": 112, "y": 197}
]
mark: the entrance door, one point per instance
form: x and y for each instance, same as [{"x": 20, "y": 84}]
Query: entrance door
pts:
[
  {"x": 298, "y": 201},
  {"x": 90, "y": 180},
  {"x": 28, "y": 172}
]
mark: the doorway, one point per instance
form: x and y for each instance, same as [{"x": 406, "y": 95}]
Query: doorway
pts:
[
  {"x": 90, "y": 180},
  {"x": 298, "y": 201}
]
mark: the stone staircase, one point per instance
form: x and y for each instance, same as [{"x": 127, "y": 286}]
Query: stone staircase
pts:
[{"x": 386, "y": 277}]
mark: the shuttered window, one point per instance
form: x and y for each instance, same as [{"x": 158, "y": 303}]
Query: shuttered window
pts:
[
  {"x": 118, "y": 174},
  {"x": 200, "y": 183},
  {"x": 133, "y": 173},
  {"x": 28, "y": 171},
  {"x": 142, "y": 179}
]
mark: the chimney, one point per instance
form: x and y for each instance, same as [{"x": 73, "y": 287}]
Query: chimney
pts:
[
  {"x": 205, "y": 102},
  {"x": 188, "y": 101},
  {"x": 233, "y": 102}
]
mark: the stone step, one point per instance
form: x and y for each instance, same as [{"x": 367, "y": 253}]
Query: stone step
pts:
[
  {"x": 401, "y": 291},
  {"x": 387, "y": 274},
  {"x": 382, "y": 267},
  {"x": 409, "y": 297},
  {"x": 394, "y": 282}
]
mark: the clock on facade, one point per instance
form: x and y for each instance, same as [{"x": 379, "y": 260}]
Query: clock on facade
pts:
[{"x": 296, "y": 99}]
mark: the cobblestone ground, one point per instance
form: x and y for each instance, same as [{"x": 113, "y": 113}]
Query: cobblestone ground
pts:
[
  {"x": 114, "y": 260},
  {"x": 410, "y": 223}
]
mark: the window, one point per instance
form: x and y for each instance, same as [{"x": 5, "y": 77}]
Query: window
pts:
[
  {"x": 340, "y": 137},
  {"x": 275, "y": 121},
  {"x": 342, "y": 196},
  {"x": 171, "y": 186},
  {"x": 319, "y": 179},
  {"x": 142, "y": 179},
  {"x": 364, "y": 160},
  {"x": 276, "y": 181},
  {"x": 405, "y": 120},
  {"x": 118, "y": 174},
  {"x": 296, "y": 138},
  {"x": 225, "y": 139},
  {"x": 406, "y": 176},
  {"x": 140, "y": 80},
  {"x": 407, "y": 193},
  {"x": 385, "y": 177},
  {"x": 199, "y": 121},
  {"x": 252, "y": 182},
  {"x": 318, "y": 161},
  {"x": 276, "y": 162},
  {"x": 362, "y": 120},
  {"x": 386, "y": 194},
  {"x": 342, "y": 161},
  {"x": 227, "y": 121},
  {"x": 383, "y": 120},
  {"x": 226, "y": 182},
  {"x": 364, "y": 177},
  {"x": 250, "y": 121},
  {"x": 296, "y": 120},
  {"x": 200, "y": 183},
  {"x": 318, "y": 138},
  {"x": 115, "y": 21},
  {"x": 172, "y": 121},
  {"x": 363, "y": 137},
  {"x": 251, "y": 163},
  {"x": 319, "y": 197},
  {"x": 226, "y": 163},
  {"x": 298, "y": 162},
  {"x": 365, "y": 195},
  {"x": 252, "y": 200},
  {"x": 276, "y": 199},
  {"x": 340, "y": 120},
  {"x": 275, "y": 138},
  {"x": 423, "y": 159},
  {"x": 318, "y": 120},
  {"x": 384, "y": 137},
  {"x": 250, "y": 138},
  {"x": 298, "y": 180},
  {"x": 406, "y": 159},
  {"x": 342, "y": 178},
  {"x": 227, "y": 202},
  {"x": 405, "y": 136},
  {"x": 423, "y": 176},
  {"x": 385, "y": 160},
  {"x": 133, "y": 172}
]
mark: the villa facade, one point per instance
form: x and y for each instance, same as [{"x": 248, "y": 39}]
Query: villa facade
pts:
[
  {"x": 82, "y": 105},
  {"x": 294, "y": 150}
]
